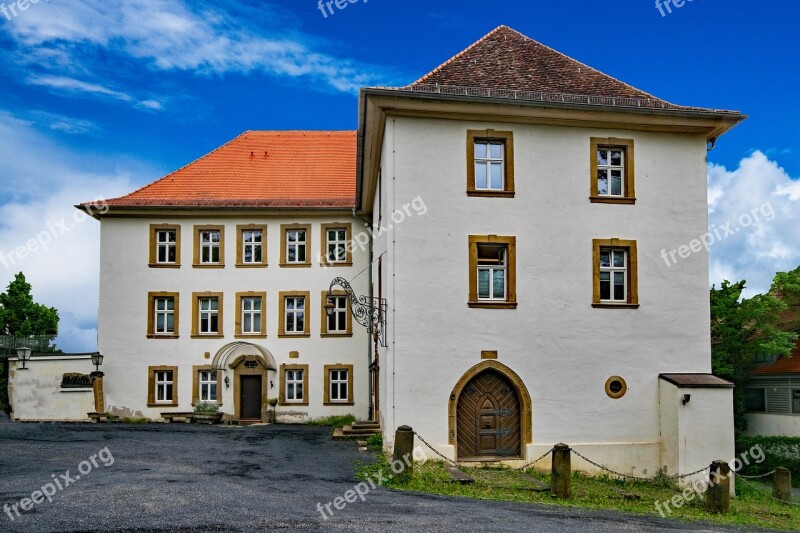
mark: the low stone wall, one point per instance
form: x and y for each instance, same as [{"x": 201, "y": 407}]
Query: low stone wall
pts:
[{"x": 37, "y": 394}]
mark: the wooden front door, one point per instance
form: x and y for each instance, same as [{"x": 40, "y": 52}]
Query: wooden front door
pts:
[
  {"x": 250, "y": 398},
  {"x": 488, "y": 418}
]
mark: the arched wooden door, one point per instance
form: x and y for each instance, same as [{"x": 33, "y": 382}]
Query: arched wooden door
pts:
[{"x": 488, "y": 418}]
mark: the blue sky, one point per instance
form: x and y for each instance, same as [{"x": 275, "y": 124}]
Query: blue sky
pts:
[{"x": 101, "y": 96}]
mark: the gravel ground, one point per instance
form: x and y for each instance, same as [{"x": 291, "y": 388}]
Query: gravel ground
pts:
[{"x": 191, "y": 478}]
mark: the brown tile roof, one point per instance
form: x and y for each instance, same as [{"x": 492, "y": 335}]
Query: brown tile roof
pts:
[
  {"x": 508, "y": 64},
  {"x": 261, "y": 169}
]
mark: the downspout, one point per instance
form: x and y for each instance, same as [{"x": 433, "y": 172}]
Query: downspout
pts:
[{"x": 370, "y": 355}]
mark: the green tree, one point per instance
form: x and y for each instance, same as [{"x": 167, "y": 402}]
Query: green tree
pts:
[
  {"x": 742, "y": 329},
  {"x": 22, "y": 318}
]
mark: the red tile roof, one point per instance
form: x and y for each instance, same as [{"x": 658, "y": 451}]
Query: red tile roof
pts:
[
  {"x": 506, "y": 61},
  {"x": 782, "y": 366},
  {"x": 261, "y": 169}
]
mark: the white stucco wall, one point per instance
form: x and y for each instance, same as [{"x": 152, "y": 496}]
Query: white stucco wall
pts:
[
  {"x": 562, "y": 348},
  {"x": 697, "y": 433},
  {"x": 35, "y": 393},
  {"x": 773, "y": 425},
  {"x": 126, "y": 279}
]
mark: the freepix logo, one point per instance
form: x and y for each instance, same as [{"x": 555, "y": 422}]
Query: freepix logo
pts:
[
  {"x": 13, "y": 9},
  {"x": 326, "y": 6},
  {"x": 58, "y": 483},
  {"x": 665, "y": 6}
]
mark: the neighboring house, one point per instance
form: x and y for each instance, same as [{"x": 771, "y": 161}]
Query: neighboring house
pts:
[
  {"x": 212, "y": 284},
  {"x": 537, "y": 302},
  {"x": 773, "y": 393},
  {"x": 551, "y": 290}
]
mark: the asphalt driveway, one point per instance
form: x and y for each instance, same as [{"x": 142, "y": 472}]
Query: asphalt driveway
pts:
[{"x": 191, "y": 478}]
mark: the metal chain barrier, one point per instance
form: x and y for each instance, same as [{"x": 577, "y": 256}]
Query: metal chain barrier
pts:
[
  {"x": 523, "y": 467},
  {"x": 434, "y": 450},
  {"x": 756, "y": 477},
  {"x": 760, "y": 489},
  {"x": 637, "y": 478}
]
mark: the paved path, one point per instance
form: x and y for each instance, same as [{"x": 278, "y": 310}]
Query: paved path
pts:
[{"x": 190, "y": 478}]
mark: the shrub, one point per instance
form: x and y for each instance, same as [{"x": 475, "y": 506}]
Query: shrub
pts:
[
  {"x": 333, "y": 421},
  {"x": 778, "y": 451},
  {"x": 206, "y": 408}
]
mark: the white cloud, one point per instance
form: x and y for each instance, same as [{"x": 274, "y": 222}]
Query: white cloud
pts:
[
  {"x": 63, "y": 84},
  {"x": 174, "y": 35},
  {"x": 768, "y": 246},
  {"x": 46, "y": 180}
]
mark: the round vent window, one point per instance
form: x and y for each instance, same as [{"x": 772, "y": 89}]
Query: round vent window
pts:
[{"x": 616, "y": 387}]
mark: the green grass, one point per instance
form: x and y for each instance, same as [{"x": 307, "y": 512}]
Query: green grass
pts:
[
  {"x": 127, "y": 420},
  {"x": 333, "y": 421},
  {"x": 754, "y": 505}
]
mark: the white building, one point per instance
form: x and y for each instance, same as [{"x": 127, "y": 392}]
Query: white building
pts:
[
  {"x": 533, "y": 304},
  {"x": 213, "y": 283},
  {"x": 538, "y": 254}
]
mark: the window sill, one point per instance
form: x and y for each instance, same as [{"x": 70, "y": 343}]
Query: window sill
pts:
[
  {"x": 492, "y": 305},
  {"x": 162, "y": 405},
  {"x": 293, "y": 404},
  {"x": 251, "y": 265},
  {"x": 333, "y": 404},
  {"x": 249, "y": 336},
  {"x": 491, "y": 194},
  {"x": 334, "y": 335},
  {"x": 215, "y": 265},
  {"x": 295, "y": 265},
  {"x": 612, "y": 200},
  {"x": 163, "y": 337},
  {"x": 164, "y": 265},
  {"x": 209, "y": 336},
  {"x": 294, "y": 335},
  {"x": 615, "y": 306},
  {"x": 325, "y": 264}
]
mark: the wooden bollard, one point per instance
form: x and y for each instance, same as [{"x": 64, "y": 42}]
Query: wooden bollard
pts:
[
  {"x": 718, "y": 497},
  {"x": 561, "y": 474},
  {"x": 782, "y": 484},
  {"x": 403, "y": 463}
]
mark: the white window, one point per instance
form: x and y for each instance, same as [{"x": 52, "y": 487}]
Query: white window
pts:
[
  {"x": 613, "y": 275},
  {"x": 166, "y": 246},
  {"x": 165, "y": 386},
  {"x": 295, "y": 314},
  {"x": 337, "y": 245},
  {"x": 611, "y": 171},
  {"x": 209, "y": 246},
  {"x": 251, "y": 315},
  {"x": 165, "y": 316},
  {"x": 209, "y": 316},
  {"x": 337, "y": 321},
  {"x": 296, "y": 246},
  {"x": 294, "y": 386},
  {"x": 492, "y": 267},
  {"x": 339, "y": 386},
  {"x": 489, "y": 165},
  {"x": 208, "y": 385},
  {"x": 252, "y": 246}
]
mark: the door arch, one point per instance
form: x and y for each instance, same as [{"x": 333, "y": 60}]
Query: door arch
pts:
[{"x": 490, "y": 413}]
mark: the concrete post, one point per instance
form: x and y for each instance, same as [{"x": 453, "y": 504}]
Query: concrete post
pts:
[
  {"x": 99, "y": 393},
  {"x": 718, "y": 498},
  {"x": 782, "y": 484},
  {"x": 403, "y": 463},
  {"x": 561, "y": 474}
]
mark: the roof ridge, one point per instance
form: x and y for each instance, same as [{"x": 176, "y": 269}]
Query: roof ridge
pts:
[
  {"x": 462, "y": 53},
  {"x": 215, "y": 150}
]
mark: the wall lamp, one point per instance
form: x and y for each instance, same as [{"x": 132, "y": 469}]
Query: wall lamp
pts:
[
  {"x": 686, "y": 399},
  {"x": 24, "y": 355}
]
